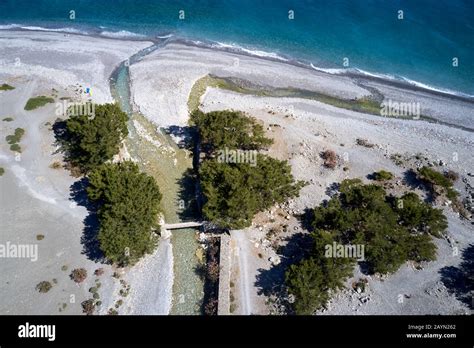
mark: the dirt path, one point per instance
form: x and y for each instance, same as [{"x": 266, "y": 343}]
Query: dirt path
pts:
[{"x": 241, "y": 252}]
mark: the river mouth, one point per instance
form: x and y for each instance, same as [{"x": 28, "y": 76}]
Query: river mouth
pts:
[{"x": 158, "y": 155}]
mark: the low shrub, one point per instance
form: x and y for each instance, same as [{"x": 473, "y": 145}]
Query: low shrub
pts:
[
  {"x": 44, "y": 286},
  {"x": 15, "y": 148},
  {"x": 6, "y": 87},
  {"x": 382, "y": 175},
  {"x": 36, "y": 102},
  {"x": 364, "y": 143},
  {"x": 55, "y": 165}
]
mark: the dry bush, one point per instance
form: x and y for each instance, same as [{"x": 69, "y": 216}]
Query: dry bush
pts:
[
  {"x": 330, "y": 158},
  {"x": 213, "y": 270},
  {"x": 364, "y": 142},
  {"x": 78, "y": 275},
  {"x": 88, "y": 306},
  {"x": 55, "y": 165},
  {"x": 211, "y": 307}
]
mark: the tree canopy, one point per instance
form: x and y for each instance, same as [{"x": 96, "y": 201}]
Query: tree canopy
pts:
[
  {"x": 312, "y": 280},
  {"x": 92, "y": 140},
  {"x": 231, "y": 129},
  {"x": 392, "y": 230},
  {"x": 128, "y": 206},
  {"x": 235, "y": 192}
]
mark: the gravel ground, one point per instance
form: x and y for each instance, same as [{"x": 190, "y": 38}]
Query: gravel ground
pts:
[{"x": 35, "y": 199}]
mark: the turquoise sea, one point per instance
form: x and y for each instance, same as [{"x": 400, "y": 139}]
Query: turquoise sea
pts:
[{"x": 419, "y": 48}]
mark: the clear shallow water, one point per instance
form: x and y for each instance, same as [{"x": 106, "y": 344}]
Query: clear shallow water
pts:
[{"x": 420, "y": 47}]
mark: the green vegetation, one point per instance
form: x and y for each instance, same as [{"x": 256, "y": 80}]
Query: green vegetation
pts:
[
  {"x": 369, "y": 105},
  {"x": 231, "y": 129},
  {"x": 15, "y": 148},
  {"x": 128, "y": 208},
  {"x": 382, "y": 175},
  {"x": 14, "y": 139},
  {"x": 397, "y": 159},
  {"x": 44, "y": 286},
  {"x": 199, "y": 88},
  {"x": 235, "y": 191},
  {"x": 2, "y": 171},
  {"x": 438, "y": 182},
  {"x": 312, "y": 280},
  {"x": 39, "y": 236},
  {"x": 8, "y": 119},
  {"x": 37, "y": 102},
  {"x": 415, "y": 215},
  {"x": 6, "y": 87},
  {"x": 392, "y": 231},
  {"x": 89, "y": 142}
]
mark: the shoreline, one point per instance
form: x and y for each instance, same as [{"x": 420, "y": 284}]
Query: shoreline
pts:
[
  {"x": 160, "y": 84},
  {"x": 169, "y": 38},
  {"x": 436, "y": 108}
]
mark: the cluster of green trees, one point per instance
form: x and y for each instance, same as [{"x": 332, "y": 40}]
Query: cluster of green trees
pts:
[
  {"x": 91, "y": 141},
  {"x": 235, "y": 192},
  {"x": 128, "y": 208},
  {"x": 312, "y": 280},
  {"x": 231, "y": 129},
  {"x": 392, "y": 230},
  {"x": 127, "y": 201}
]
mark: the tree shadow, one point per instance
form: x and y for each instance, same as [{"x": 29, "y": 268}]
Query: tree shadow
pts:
[
  {"x": 271, "y": 282},
  {"x": 65, "y": 146},
  {"x": 186, "y": 135},
  {"x": 410, "y": 178},
  {"x": 332, "y": 189},
  {"x": 208, "y": 272},
  {"x": 370, "y": 176},
  {"x": 61, "y": 136},
  {"x": 187, "y": 196},
  {"x": 460, "y": 280},
  {"x": 89, "y": 238},
  {"x": 306, "y": 219}
]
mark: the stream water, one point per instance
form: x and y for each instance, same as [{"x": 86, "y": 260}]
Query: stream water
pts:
[{"x": 159, "y": 156}]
